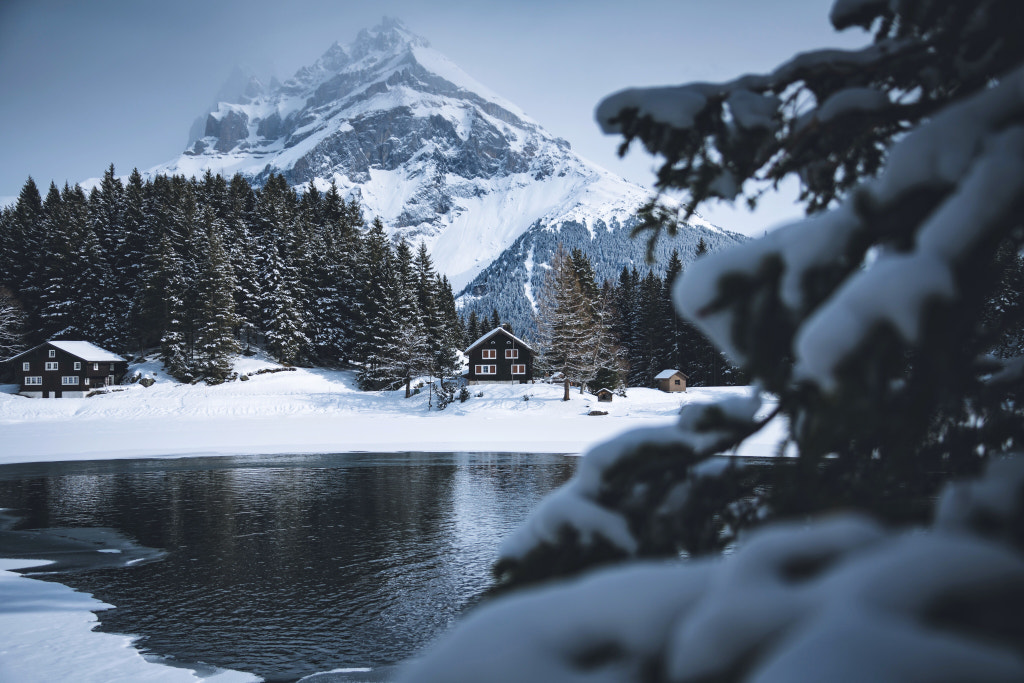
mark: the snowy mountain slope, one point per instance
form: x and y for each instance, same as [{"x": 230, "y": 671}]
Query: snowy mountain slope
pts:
[
  {"x": 512, "y": 282},
  {"x": 436, "y": 155}
]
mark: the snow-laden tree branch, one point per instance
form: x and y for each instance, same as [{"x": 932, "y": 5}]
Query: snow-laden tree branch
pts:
[{"x": 879, "y": 325}]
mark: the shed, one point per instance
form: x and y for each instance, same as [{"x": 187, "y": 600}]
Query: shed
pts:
[
  {"x": 605, "y": 395},
  {"x": 66, "y": 369},
  {"x": 671, "y": 380},
  {"x": 499, "y": 356}
]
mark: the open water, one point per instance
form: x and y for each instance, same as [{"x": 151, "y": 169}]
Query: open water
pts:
[{"x": 283, "y": 566}]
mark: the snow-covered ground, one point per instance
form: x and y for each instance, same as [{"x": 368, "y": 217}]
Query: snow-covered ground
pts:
[
  {"x": 321, "y": 411},
  {"x": 46, "y": 628}
]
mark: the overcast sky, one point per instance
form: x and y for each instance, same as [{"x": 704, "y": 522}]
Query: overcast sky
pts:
[{"x": 86, "y": 84}]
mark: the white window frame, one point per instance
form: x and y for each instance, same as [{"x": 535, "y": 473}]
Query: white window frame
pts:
[
  {"x": 519, "y": 369},
  {"x": 69, "y": 381},
  {"x": 490, "y": 354},
  {"x": 487, "y": 369},
  {"x": 25, "y": 367},
  {"x": 111, "y": 367},
  {"x": 86, "y": 381},
  {"x": 512, "y": 353},
  {"x": 52, "y": 354},
  {"x": 78, "y": 365},
  {"x": 52, "y": 365},
  {"x": 33, "y": 380},
  {"x": 95, "y": 367}
]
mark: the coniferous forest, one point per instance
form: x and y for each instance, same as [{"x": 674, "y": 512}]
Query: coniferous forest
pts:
[
  {"x": 207, "y": 268},
  {"x": 204, "y": 269}
]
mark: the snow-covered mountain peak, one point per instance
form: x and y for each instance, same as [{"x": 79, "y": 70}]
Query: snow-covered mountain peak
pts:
[
  {"x": 390, "y": 35},
  {"x": 436, "y": 155}
]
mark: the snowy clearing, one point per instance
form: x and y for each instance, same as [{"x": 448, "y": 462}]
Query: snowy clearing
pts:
[{"x": 322, "y": 411}]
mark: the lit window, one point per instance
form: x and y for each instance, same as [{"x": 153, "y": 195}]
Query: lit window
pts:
[
  {"x": 78, "y": 366},
  {"x": 68, "y": 380},
  {"x": 26, "y": 366},
  {"x": 51, "y": 365},
  {"x": 518, "y": 369},
  {"x": 33, "y": 380},
  {"x": 511, "y": 353},
  {"x": 486, "y": 369},
  {"x": 490, "y": 354}
]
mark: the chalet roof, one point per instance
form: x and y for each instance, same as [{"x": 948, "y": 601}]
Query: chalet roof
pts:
[
  {"x": 498, "y": 329},
  {"x": 87, "y": 351},
  {"x": 668, "y": 374}
]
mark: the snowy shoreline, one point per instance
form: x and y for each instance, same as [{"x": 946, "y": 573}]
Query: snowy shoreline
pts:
[{"x": 321, "y": 411}]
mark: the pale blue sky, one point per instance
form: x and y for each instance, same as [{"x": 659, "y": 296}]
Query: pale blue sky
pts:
[{"x": 86, "y": 84}]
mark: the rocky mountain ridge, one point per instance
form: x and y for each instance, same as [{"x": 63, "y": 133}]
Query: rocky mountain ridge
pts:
[{"x": 436, "y": 155}]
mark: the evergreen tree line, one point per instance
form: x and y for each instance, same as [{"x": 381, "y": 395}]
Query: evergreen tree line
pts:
[
  {"x": 621, "y": 333},
  {"x": 206, "y": 268},
  {"x": 654, "y": 337}
]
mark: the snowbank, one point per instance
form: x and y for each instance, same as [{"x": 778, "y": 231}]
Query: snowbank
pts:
[{"x": 321, "y": 411}]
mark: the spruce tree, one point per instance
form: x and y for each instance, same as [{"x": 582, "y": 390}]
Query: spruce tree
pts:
[
  {"x": 472, "y": 329},
  {"x": 215, "y": 343}
]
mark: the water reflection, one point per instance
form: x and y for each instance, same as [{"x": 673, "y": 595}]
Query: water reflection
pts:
[{"x": 289, "y": 566}]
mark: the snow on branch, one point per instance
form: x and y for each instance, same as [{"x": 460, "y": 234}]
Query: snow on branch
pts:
[
  {"x": 839, "y": 599},
  {"x": 581, "y": 507},
  {"x": 964, "y": 173}
]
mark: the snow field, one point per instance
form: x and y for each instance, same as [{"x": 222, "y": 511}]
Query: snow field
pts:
[{"x": 321, "y": 411}]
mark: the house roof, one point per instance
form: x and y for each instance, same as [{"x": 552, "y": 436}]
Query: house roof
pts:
[
  {"x": 87, "y": 351},
  {"x": 668, "y": 374},
  {"x": 498, "y": 329}
]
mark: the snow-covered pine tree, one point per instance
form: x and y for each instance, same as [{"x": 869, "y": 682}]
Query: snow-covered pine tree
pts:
[
  {"x": 24, "y": 240},
  {"x": 12, "y": 325},
  {"x": 243, "y": 254},
  {"x": 378, "y": 323},
  {"x": 472, "y": 328},
  {"x": 215, "y": 343},
  {"x": 59, "y": 309},
  {"x": 864, "y": 320},
  {"x": 453, "y": 336},
  {"x": 567, "y": 328},
  {"x": 106, "y": 203},
  {"x": 131, "y": 260},
  {"x": 282, "y": 315},
  {"x": 625, "y": 321}
]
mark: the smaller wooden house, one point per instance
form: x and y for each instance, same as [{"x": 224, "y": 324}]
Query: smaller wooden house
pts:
[
  {"x": 671, "y": 380},
  {"x": 66, "y": 369},
  {"x": 499, "y": 356},
  {"x": 605, "y": 395}
]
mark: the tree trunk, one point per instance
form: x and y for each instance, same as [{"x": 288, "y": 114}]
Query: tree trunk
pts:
[
  {"x": 566, "y": 396},
  {"x": 408, "y": 392}
]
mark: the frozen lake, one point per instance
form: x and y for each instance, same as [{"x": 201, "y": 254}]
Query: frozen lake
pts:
[{"x": 283, "y": 566}]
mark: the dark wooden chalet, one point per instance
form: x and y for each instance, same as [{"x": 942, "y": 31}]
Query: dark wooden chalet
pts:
[
  {"x": 499, "y": 356},
  {"x": 68, "y": 369}
]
